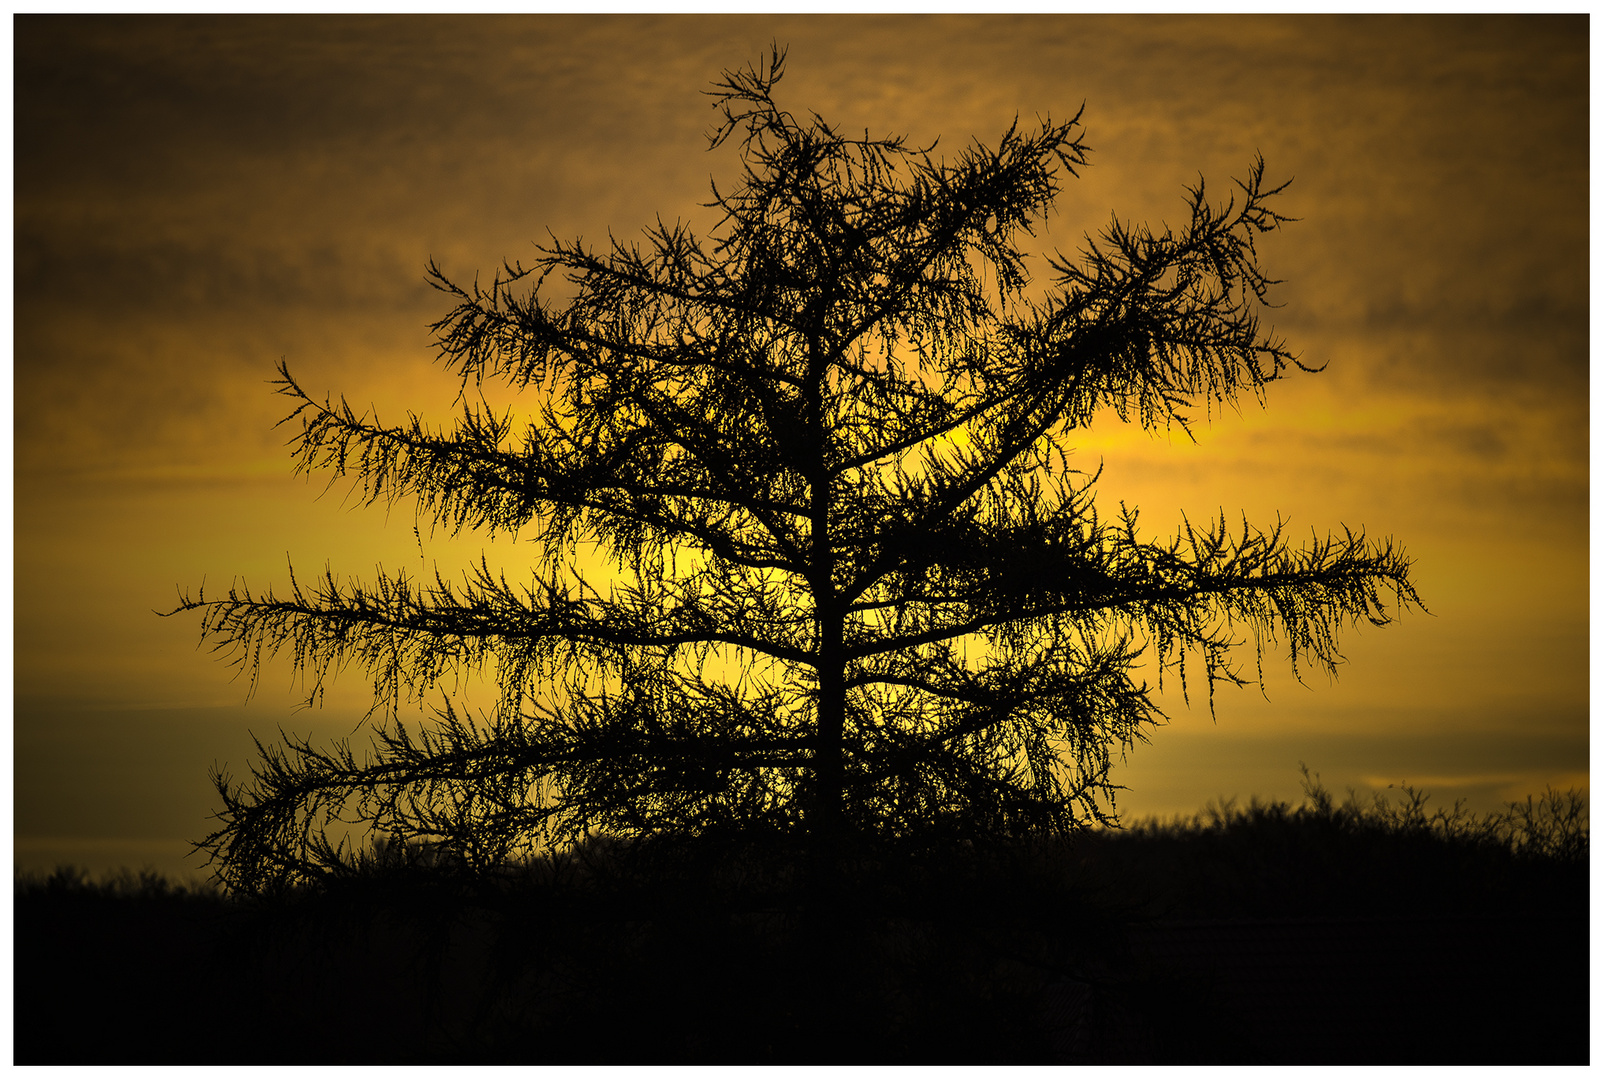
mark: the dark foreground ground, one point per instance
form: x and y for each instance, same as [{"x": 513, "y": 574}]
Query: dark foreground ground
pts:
[{"x": 1265, "y": 935}]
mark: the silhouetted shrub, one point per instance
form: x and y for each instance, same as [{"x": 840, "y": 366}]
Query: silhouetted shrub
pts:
[
  {"x": 1165, "y": 942},
  {"x": 1387, "y": 856}
]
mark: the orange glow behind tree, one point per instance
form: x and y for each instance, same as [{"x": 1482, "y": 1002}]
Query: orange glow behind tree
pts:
[{"x": 847, "y": 404}]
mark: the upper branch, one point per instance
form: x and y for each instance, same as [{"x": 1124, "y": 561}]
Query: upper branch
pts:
[{"x": 467, "y": 480}]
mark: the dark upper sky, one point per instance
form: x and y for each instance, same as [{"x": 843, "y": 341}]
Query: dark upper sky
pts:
[{"x": 196, "y": 198}]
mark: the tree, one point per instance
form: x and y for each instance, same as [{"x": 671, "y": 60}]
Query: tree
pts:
[{"x": 859, "y": 590}]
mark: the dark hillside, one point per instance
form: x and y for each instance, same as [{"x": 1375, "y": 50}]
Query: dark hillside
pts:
[{"x": 1315, "y": 934}]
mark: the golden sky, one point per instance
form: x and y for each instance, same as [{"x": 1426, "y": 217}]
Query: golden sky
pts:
[{"x": 197, "y": 198}]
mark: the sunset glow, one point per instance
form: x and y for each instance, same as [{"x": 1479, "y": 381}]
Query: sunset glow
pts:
[{"x": 198, "y": 198}]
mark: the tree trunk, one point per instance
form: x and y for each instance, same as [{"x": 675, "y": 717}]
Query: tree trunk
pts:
[
  {"x": 824, "y": 817},
  {"x": 829, "y": 764},
  {"x": 827, "y": 922}
]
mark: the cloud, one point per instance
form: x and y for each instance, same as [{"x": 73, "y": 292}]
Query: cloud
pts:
[{"x": 1504, "y": 786}]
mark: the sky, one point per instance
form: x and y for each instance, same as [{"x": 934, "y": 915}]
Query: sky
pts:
[{"x": 197, "y": 198}]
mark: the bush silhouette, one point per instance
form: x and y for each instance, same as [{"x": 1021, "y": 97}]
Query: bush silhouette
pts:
[{"x": 1164, "y": 942}]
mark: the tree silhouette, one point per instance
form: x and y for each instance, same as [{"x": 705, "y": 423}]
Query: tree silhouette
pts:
[{"x": 858, "y": 589}]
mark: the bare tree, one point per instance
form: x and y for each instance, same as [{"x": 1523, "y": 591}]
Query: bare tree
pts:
[{"x": 860, "y": 591}]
